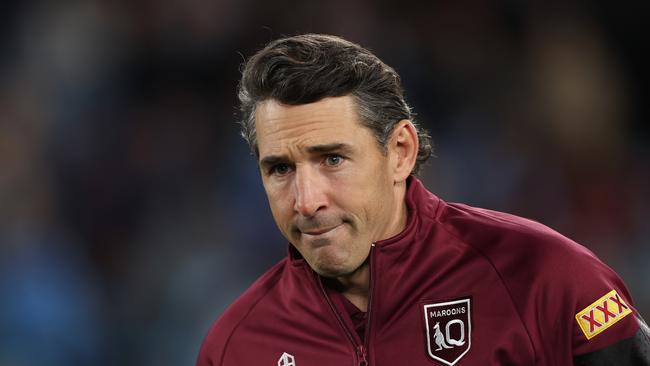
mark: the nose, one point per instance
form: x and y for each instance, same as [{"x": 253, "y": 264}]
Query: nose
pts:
[{"x": 309, "y": 192}]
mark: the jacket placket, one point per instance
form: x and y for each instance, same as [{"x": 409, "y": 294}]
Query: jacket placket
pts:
[{"x": 360, "y": 346}]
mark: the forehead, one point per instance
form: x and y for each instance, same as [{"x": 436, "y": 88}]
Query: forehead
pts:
[{"x": 330, "y": 120}]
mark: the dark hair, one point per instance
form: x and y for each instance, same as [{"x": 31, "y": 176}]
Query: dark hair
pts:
[{"x": 307, "y": 68}]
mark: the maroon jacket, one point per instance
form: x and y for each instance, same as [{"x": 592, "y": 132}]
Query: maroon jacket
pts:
[{"x": 459, "y": 286}]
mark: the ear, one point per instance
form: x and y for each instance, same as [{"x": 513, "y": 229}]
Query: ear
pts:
[{"x": 403, "y": 147}]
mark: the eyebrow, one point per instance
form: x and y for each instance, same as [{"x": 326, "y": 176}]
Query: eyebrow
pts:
[
  {"x": 271, "y": 160},
  {"x": 328, "y": 148}
]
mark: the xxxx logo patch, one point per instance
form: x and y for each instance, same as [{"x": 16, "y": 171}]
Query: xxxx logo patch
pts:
[{"x": 602, "y": 314}]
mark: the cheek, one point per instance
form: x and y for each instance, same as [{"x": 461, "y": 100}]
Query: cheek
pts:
[
  {"x": 358, "y": 204},
  {"x": 280, "y": 207},
  {"x": 280, "y": 204},
  {"x": 375, "y": 200}
]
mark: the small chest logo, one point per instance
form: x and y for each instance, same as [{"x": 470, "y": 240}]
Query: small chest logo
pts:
[
  {"x": 602, "y": 314},
  {"x": 286, "y": 360},
  {"x": 449, "y": 330}
]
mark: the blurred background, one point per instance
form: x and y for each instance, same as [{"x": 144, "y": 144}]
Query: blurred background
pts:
[{"x": 131, "y": 213}]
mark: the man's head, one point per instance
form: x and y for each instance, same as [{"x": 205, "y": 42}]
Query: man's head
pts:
[
  {"x": 332, "y": 132},
  {"x": 307, "y": 68}
]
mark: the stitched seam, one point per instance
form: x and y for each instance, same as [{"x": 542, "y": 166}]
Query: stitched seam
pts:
[
  {"x": 488, "y": 216},
  {"x": 530, "y": 339}
]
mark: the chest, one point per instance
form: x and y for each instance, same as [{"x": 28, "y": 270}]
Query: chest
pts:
[{"x": 441, "y": 319}]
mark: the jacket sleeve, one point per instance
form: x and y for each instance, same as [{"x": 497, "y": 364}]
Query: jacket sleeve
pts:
[
  {"x": 217, "y": 344},
  {"x": 634, "y": 351},
  {"x": 601, "y": 308},
  {"x": 213, "y": 347}
]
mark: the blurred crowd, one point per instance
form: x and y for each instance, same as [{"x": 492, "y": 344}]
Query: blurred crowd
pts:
[{"x": 131, "y": 213}]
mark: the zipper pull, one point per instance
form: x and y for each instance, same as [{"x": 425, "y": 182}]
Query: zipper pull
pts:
[{"x": 363, "y": 357}]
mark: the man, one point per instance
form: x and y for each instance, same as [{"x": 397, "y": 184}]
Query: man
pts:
[{"x": 382, "y": 272}]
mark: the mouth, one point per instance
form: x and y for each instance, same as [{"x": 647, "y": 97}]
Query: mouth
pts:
[{"x": 313, "y": 233}]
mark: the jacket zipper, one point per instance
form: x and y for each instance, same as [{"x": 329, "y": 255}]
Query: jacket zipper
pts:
[
  {"x": 363, "y": 356},
  {"x": 361, "y": 349},
  {"x": 366, "y": 341},
  {"x": 358, "y": 348}
]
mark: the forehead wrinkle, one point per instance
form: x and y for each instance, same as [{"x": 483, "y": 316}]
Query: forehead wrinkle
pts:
[
  {"x": 291, "y": 129},
  {"x": 325, "y": 110},
  {"x": 279, "y": 129},
  {"x": 301, "y": 144}
]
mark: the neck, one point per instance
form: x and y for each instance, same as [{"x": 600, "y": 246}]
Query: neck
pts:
[{"x": 355, "y": 286}]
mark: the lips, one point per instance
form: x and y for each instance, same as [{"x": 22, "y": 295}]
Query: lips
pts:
[{"x": 319, "y": 231}]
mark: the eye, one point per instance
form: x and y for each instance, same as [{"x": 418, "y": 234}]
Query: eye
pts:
[
  {"x": 333, "y": 160},
  {"x": 280, "y": 169}
]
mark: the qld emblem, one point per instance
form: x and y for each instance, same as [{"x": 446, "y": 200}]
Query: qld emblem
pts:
[{"x": 449, "y": 330}]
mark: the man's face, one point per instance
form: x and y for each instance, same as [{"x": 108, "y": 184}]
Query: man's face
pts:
[{"x": 329, "y": 184}]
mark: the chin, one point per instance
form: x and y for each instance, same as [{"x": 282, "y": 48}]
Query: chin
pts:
[
  {"x": 329, "y": 270},
  {"x": 328, "y": 273}
]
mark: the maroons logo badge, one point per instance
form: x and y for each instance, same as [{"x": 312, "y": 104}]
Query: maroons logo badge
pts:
[{"x": 449, "y": 330}]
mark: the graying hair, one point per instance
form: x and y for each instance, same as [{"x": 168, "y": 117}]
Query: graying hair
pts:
[{"x": 307, "y": 68}]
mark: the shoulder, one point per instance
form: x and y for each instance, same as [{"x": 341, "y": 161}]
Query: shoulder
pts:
[
  {"x": 513, "y": 243},
  {"x": 548, "y": 276},
  {"x": 220, "y": 333},
  {"x": 526, "y": 252}
]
